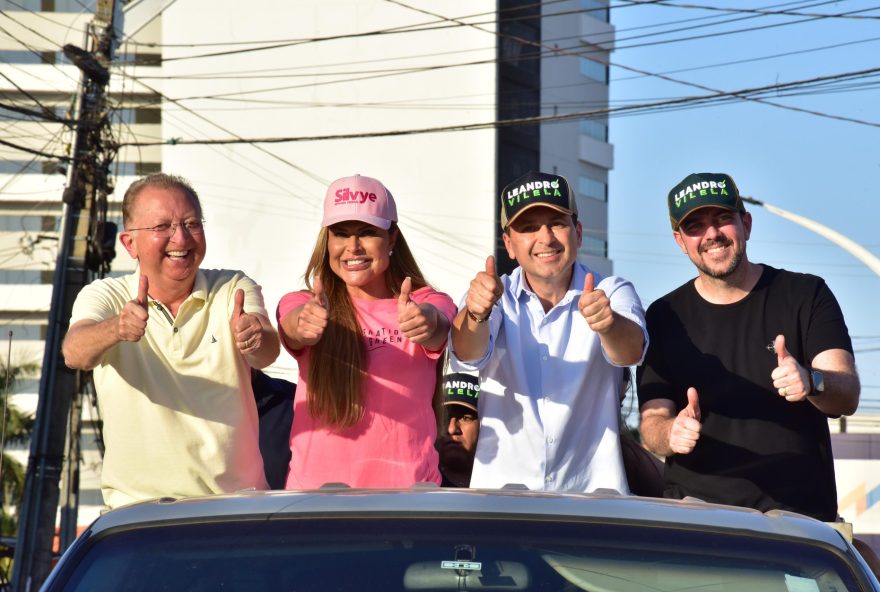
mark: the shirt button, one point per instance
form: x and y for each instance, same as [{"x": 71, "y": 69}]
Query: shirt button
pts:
[
  {"x": 550, "y": 440},
  {"x": 175, "y": 329},
  {"x": 544, "y": 358},
  {"x": 548, "y": 478}
]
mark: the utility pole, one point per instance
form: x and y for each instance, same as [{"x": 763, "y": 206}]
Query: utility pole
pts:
[{"x": 85, "y": 249}]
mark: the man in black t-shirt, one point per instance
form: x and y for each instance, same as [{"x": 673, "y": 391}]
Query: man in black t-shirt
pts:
[{"x": 744, "y": 366}]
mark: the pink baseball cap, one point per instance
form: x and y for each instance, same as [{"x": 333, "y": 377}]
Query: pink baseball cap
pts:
[{"x": 359, "y": 198}]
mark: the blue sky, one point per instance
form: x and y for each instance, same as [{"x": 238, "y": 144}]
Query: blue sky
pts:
[{"x": 821, "y": 168}]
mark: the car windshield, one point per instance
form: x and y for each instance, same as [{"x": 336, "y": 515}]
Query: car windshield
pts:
[{"x": 449, "y": 553}]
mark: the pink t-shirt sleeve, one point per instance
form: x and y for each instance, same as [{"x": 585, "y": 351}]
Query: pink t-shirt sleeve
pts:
[
  {"x": 290, "y": 301},
  {"x": 444, "y": 305}
]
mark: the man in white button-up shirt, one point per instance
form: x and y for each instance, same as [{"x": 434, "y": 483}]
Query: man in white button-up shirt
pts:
[{"x": 549, "y": 342}]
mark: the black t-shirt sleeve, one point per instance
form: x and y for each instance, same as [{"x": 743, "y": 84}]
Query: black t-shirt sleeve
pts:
[
  {"x": 827, "y": 328},
  {"x": 651, "y": 380}
]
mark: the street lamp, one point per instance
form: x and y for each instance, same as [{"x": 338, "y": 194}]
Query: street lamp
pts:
[{"x": 849, "y": 245}]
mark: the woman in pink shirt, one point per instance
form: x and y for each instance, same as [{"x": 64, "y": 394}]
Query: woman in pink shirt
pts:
[{"x": 367, "y": 337}]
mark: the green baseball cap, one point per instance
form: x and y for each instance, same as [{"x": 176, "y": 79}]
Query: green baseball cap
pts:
[
  {"x": 703, "y": 190},
  {"x": 536, "y": 189}
]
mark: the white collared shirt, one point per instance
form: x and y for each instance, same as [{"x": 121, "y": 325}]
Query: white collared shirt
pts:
[{"x": 549, "y": 397}]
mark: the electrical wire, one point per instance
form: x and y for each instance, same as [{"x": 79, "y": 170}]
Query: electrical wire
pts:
[
  {"x": 546, "y": 52},
  {"x": 249, "y": 73},
  {"x": 742, "y": 94},
  {"x": 694, "y": 85},
  {"x": 60, "y": 157},
  {"x": 130, "y": 5},
  {"x": 760, "y": 11},
  {"x": 409, "y": 103},
  {"x": 330, "y": 38}
]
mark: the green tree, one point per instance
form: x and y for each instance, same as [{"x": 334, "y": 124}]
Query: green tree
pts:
[{"x": 17, "y": 430}]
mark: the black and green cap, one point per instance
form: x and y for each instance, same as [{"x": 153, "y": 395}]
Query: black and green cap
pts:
[
  {"x": 536, "y": 189},
  {"x": 703, "y": 190},
  {"x": 460, "y": 388}
]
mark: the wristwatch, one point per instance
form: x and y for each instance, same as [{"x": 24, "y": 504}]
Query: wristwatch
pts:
[{"x": 817, "y": 383}]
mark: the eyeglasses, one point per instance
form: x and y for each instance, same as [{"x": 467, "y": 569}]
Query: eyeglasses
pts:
[
  {"x": 167, "y": 229},
  {"x": 463, "y": 419}
]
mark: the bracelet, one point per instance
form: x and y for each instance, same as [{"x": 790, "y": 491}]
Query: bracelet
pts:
[{"x": 475, "y": 318}]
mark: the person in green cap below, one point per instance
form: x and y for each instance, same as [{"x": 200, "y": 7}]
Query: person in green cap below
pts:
[
  {"x": 745, "y": 365},
  {"x": 457, "y": 444}
]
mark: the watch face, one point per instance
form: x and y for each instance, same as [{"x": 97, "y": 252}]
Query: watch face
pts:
[{"x": 818, "y": 381}]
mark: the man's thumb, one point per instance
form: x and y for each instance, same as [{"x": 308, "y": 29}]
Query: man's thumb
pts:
[
  {"x": 490, "y": 265},
  {"x": 779, "y": 346},
  {"x": 693, "y": 405},
  {"x": 238, "y": 304},
  {"x": 589, "y": 283},
  {"x": 143, "y": 288}
]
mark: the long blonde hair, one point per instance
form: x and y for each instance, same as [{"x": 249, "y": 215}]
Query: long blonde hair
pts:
[{"x": 337, "y": 363}]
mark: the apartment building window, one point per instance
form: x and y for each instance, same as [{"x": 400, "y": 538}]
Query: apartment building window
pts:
[
  {"x": 21, "y": 167},
  {"x": 24, "y": 276},
  {"x": 594, "y": 246},
  {"x": 129, "y": 115},
  {"x": 595, "y": 129},
  {"x": 27, "y": 57},
  {"x": 594, "y": 70},
  {"x": 26, "y": 331},
  {"x": 137, "y": 169},
  {"x": 12, "y": 115},
  {"x": 26, "y": 223},
  {"x": 596, "y": 9},
  {"x": 593, "y": 188}
]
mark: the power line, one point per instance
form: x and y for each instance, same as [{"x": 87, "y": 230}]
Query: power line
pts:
[
  {"x": 457, "y": 22},
  {"x": 743, "y": 94},
  {"x": 803, "y": 3},
  {"x": 131, "y": 5},
  {"x": 732, "y": 32},
  {"x": 416, "y": 28},
  {"x": 34, "y": 151},
  {"x": 409, "y": 103},
  {"x": 244, "y": 74},
  {"x": 52, "y": 42},
  {"x": 547, "y": 51},
  {"x": 670, "y": 79},
  {"x": 703, "y": 87},
  {"x": 760, "y": 11},
  {"x": 336, "y": 37}
]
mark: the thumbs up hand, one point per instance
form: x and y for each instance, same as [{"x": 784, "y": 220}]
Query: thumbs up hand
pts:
[
  {"x": 790, "y": 379},
  {"x": 596, "y": 307},
  {"x": 246, "y": 328},
  {"x": 315, "y": 315},
  {"x": 417, "y": 323},
  {"x": 132, "y": 321},
  {"x": 685, "y": 431},
  {"x": 485, "y": 290}
]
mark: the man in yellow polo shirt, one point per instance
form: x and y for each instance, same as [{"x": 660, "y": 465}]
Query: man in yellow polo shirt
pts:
[{"x": 172, "y": 346}]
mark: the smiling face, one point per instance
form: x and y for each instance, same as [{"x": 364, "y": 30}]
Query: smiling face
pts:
[
  {"x": 359, "y": 256},
  {"x": 544, "y": 243},
  {"x": 715, "y": 240},
  {"x": 170, "y": 262}
]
